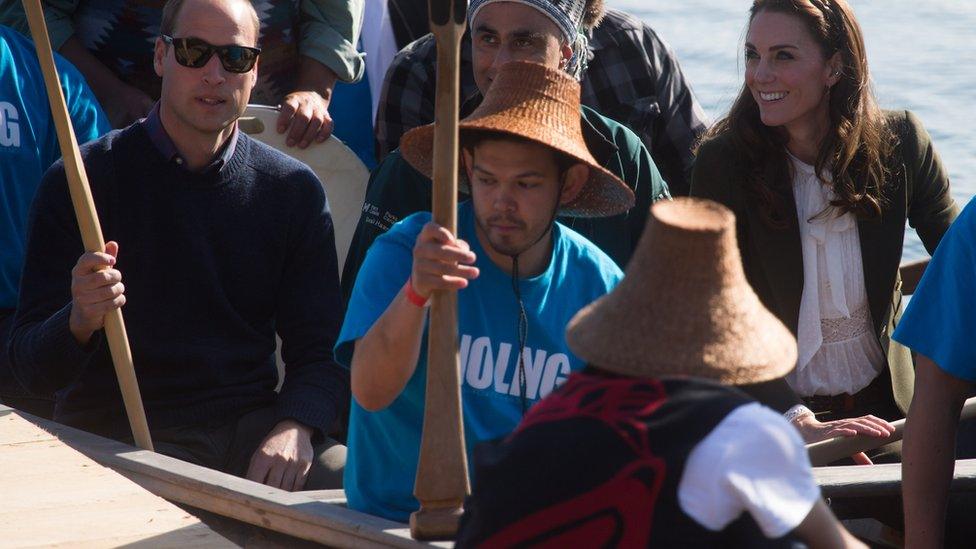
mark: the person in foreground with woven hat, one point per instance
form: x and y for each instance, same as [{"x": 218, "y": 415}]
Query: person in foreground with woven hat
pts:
[
  {"x": 542, "y": 31},
  {"x": 521, "y": 276},
  {"x": 649, "y": 446}
]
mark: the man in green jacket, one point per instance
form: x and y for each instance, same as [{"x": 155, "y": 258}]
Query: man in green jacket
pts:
[{"x": 547, "y": 32}]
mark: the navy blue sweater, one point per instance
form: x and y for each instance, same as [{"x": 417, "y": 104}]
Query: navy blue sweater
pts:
[{"x": 213, "y": 265}]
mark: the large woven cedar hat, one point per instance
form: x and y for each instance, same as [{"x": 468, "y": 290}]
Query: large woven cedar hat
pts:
[
  {"x": 684, "y": 307},
  {"x": 534, "y": 102}
]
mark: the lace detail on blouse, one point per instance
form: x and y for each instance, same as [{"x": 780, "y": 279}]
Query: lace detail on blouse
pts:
[{"x": 835, "y": 330}]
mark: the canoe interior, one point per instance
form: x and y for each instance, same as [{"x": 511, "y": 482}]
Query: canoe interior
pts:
[{"x": 295, "y": 514}]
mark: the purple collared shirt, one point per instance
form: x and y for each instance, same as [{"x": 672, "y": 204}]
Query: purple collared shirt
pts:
[{"x": 153, "y": 125}]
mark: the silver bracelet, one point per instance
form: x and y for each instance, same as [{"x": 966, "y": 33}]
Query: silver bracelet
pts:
[{"x": 797, "y": 412}]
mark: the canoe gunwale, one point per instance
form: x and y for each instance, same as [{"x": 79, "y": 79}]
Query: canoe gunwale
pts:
[{"x": 289, "y": 513}]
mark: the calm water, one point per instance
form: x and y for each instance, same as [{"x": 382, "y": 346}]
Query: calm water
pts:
[{"x": 920, "y": 53}]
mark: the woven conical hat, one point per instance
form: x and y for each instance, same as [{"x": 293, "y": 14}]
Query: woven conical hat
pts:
[
  {"x": 534, "y": 102},
  {"x": 684, "y": 307}
]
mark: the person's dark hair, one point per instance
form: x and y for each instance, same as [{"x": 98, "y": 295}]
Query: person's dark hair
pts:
[
  {"x": 171, "y": 10},
  {"x": 470, "y": 139},
  {"x": 858, "y": 140}
]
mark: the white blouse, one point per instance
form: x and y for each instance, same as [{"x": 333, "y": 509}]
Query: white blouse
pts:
[{"x": 838, "y": 351}]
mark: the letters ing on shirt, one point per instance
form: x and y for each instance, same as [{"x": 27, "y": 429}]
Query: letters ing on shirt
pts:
[{"x": 486, "y": 365}]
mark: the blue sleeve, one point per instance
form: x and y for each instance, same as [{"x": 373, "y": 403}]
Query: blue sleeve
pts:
[
  {"x": 87, "y": 117},
  {"x": 940, "y": 320},
  {"x": 88, "y": 120},
  {"x": 386, "y": 268}
]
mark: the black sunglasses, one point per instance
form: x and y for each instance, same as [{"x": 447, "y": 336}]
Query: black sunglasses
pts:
[{"x": 194, "y": 53}]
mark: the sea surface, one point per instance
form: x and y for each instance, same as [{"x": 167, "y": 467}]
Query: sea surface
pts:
[{"x": 920, "y": 53}]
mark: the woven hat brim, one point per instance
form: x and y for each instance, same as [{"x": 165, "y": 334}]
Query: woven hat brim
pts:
[
  {"x": 685, "y": 307},
  {"x": 603, "y": 195},
  {"x": 757, "y": 348}
]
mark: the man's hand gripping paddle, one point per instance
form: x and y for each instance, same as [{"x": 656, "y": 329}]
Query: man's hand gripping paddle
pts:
[
  {"x": 91, "y": 230},
  {"x": 442, "y": 470}
]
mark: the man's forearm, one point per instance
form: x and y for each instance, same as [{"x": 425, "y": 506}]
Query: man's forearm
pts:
[
  {"x": 45, "y": 357},
  {"x": 386, "y": 357},
  {"x": 928, "y": 455},
  {"x": 315, "y": 76}
]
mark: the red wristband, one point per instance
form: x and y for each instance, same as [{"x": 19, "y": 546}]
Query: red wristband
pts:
[{"x": 413, "y": 296}]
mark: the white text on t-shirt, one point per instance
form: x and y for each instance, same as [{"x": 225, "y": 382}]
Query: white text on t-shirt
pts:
[
  {"x": 9, "y": 127},
  {"x": 484, "y": 365}
]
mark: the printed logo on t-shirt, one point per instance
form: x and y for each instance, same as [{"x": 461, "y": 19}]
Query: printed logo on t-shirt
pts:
[
  {"x": 9, "y": 126},
  {"x": 486, "y": 365}
]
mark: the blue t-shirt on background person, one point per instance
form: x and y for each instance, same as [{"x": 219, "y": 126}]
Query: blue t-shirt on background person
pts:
[
  {"x": 941, "y": 317},
  {"x": 29, "y": 144},
  {"x": 384, "y": 446}
]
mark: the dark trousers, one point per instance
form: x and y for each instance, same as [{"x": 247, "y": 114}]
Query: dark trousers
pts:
[
  {"x": 11, "y": 392},
  {"x": 227, "y": 446}
]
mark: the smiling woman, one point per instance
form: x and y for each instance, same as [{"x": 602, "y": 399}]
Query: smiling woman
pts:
[{"x": 822, "y": 182}]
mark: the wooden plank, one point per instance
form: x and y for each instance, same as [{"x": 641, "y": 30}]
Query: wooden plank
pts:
[
  {"x": 54, "y": 495},
  {"x": 874, "y": 532},
  {"x": 881, "y": 480},
  {"x": 337, "y": 497},
  {"x": 290, "y": 513}
]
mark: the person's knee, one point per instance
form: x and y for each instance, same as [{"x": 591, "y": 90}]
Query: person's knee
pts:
[{"x": 327, "y": 466}]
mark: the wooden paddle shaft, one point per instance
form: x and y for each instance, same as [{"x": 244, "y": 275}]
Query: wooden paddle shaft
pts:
[
  {"x": 829, "y": 451},
  {"x": 91, "y": 231},
  {"x": 442, "y": 469}
]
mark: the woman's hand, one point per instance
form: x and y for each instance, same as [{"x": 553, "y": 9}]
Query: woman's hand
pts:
[{"x": 813, "y": 430}]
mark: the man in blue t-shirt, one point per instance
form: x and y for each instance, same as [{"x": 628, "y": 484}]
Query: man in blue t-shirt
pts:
[
  {"x": 28, "y": 145},
  {"x": 938, "y": 326},
  {"x": 520, "y": 275}
]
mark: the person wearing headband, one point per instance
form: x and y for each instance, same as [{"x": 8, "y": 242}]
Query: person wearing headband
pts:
[
  {"x": 215, "y": 243},
  {"x": 520, "y": 276},
  {"x": 543, "y": 31},
  {"x": 626, "y": 70},
  {"x": 651, "y": 445},
  {"x": 823, "y": 182}
]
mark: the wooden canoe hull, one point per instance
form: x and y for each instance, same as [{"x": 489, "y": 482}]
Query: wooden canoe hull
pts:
[{"x": 291, "y": 513}]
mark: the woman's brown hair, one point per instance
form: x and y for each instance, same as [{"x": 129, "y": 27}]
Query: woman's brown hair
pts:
[{"x": 858, "y": 140}]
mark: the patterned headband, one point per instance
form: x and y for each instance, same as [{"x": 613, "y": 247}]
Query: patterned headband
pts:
[
  {"x": 568, "y": 17},
  {"x": 566, "y": 14}
]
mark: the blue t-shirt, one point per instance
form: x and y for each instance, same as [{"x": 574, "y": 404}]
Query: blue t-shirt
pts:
[
  {"x": 941, "y": 318},
  {"x": 29, "y": 142},
  {"x": 384, "y": 445}
]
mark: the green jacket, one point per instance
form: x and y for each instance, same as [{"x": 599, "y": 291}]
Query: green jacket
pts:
[
  {"x": 396, "y": 190},
  {"x": 917, "y": 192}
]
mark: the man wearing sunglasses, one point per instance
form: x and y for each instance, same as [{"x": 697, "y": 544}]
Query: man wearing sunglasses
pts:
[
  {"x": 312, "y": 44},
  {"x": 221, "y": 243}
]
